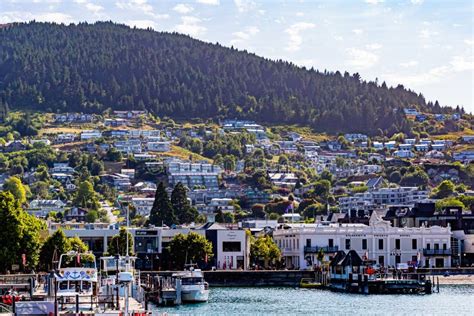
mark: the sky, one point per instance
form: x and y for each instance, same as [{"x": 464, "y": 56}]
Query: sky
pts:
[{"x": 426, "y": 45}]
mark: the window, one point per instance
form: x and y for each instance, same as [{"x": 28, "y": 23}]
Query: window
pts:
[
  {"x": 381, "y": 260},
  {"x": 364, "y": 244},
  {"x": 348, "y": 244},
  {"x": 445, "y": 247},
  {"x": 414, "y": 244},
  {"x": 331, "y": 242},
  {"x": 231, "y": 246},
  {"x": 397, "y": 243},
  {"x": 380, "y": 244},
  {"x": 308, "y": 242},
  {"x": 428, "y": 246},
  {"x": 436, "y": 246}
]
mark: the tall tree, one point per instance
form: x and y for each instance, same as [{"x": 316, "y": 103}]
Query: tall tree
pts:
[
  {"x": 183, "y": 210},
  {"x": 118, "y": 243},
  {"x": 19, "y": 234},
  {"x": 86, "y": 196},
  {"x": 56, "y": 245},
  {"x": 17, "y": 188},
  {"x": 190, "y": 248},
  {"x": 162, "y": 211}
]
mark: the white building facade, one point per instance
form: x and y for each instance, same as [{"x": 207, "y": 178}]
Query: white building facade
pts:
[{"x": 379, "y": 241}]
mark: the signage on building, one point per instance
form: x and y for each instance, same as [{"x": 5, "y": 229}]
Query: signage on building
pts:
[{"x": 146, "y": 233}]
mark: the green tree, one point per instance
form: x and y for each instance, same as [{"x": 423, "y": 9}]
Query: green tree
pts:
[
  {"x": 190, "y": 248},
  {"x": 86, "y": 196},
  {"x": 183, "y": 210},
  {"x": 444, "y": 189},
  {"x": 17, "y": 188},
  {"x": 91, "y": 216},
  {"x": 448, "y": 202},
  {"x": 118, "y": 243},
  {"x": 162, "y": 211},
  {"x": 258, "y": 211},
  {"x": 326, "y": 175},
  {"x": 19, "y": 234},
  {"x": 263, "y": 249},
  {"x": 56, "y": 245},
  {"x": 321, "y": 189}
]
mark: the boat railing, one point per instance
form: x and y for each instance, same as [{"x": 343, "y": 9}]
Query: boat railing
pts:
[
  {"x": 5, "y": 309},
  {"x": 90, "y": 302}
]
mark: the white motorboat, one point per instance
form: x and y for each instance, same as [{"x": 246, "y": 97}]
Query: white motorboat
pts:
[
  {"x": 77, "y": 275},
  {"x": 193, "y": 286}
]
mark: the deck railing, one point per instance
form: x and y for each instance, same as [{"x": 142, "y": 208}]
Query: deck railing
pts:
[
  {"x": 437, "y": 252},
  {"x": 316, "y": 249}
]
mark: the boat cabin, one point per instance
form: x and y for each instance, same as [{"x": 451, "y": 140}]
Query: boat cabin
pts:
[{"x": 77, "y": 274}]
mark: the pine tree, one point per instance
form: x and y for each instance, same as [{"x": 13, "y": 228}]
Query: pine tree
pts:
[
  {"x": 182, "y": 208},
  {"x": 162, "y": 211}
]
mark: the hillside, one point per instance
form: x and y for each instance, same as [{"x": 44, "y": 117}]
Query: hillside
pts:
[{"x": 92, "y": 67}]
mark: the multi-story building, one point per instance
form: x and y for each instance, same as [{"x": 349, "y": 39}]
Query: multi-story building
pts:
[
  {"x": 143, "y": 205},
  {"x": 382, "y": 197},
  {"x": 193, "y": 174},
  {"x": 41, "y": 208},
  {"x": 160, "y": 146},
  {"x": 128, "y": 146},
  {"x": 379, "y": 241}
]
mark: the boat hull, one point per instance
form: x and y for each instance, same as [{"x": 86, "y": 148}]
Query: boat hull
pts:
[{"x": 195, "y": 296}]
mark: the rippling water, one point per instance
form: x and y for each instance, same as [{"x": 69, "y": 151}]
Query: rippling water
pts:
[{"x": 452, "y": 300}]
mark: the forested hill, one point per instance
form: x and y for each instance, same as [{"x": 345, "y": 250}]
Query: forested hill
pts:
[{"x": 92, "y": 67}]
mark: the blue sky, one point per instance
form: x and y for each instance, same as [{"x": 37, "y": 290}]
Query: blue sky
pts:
[{"x": 426, "y": 45}]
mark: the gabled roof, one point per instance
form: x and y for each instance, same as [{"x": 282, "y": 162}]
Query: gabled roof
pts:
[
  {"x": 351, "y": 259},
  {"x": 338, "y": 257}
]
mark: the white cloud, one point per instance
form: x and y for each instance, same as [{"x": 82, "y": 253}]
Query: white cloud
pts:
[
  {"x": 417, "y": 2},
  {"x": 410, "y": 63},
  {"x": 461, "y": 63},
  {"x": 245, "y": 5},
  {"x": 244, "y": 35},
  {"x": 374, "y": 1},
  {"x": 140, "y": 5},
  {"x": 22, "y": 16},
  {"x": 299, "y": 14},
  {"x": 357, "y": 31},
  {"x": 92, "y": 7},
  {"x": 47, "y": 1},
  {"x": 183, "y": 8},
  {"x": 142, "y": 24},
  {"x": 209, "y": 2},
  {"x": 427, "y": 33},
  {"x": 308, "y": 63},
  {"x": 191, "y": 25},
  {"x": 469, "y": 42},
  {"x": 373, "y": 46},
  {"x": 294, "y": 31},
  {"x": 338, "y": 38},
  {"x": 361, "y": 59}
]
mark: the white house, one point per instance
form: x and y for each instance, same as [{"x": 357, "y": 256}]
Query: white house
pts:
[
  {"x": 90, "y": 134},
  {"x": 41, "y": 208},
  {"x": 425, "y": 246},
  {"x": 143, "y": 205},
  {"x": 402, "y": 153},
  {"x": 160, "y": 146}
]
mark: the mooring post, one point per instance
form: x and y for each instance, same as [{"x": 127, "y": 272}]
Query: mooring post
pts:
[{"x": 178, "y": 291}]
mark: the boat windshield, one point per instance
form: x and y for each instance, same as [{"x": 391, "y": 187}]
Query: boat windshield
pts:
[{"x": 190, "y": 281}]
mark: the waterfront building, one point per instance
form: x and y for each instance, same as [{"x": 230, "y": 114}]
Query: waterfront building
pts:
[{"x": 422, "y": 246}]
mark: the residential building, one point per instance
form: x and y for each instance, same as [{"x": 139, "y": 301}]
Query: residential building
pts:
[
  {"x": 193, "y": 174},
  {"x": 300, "y": 244},
  {"x": 464, "y": 156},
  {"x": 160, "y": 146},
  {"x": 65, "y": 138},
  {"x": 371, "y": 200},
  {"x": 143, "y": 205},
  {"x": 90, "y": 134},
  {"x": 41, "y": 208},
  {"x": 128, "y": 146}
]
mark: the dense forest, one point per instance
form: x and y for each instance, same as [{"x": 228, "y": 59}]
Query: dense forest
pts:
[{"x": 93, "y": 67}]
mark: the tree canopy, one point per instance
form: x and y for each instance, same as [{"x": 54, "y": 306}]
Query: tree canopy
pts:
[
  {"x": 162, "y": 211},
  {"x": 20, "y": 234},
  {"x": 190, "y": 248},
  {"x": 43, "y": 66}
]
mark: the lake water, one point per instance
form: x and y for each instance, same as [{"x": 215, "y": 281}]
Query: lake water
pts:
[{"x": 452, "y": 300}]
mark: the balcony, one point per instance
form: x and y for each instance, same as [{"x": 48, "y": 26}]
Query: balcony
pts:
[
  {"x": 317, "y": 249},
  {"x": 437, "y": 252}
]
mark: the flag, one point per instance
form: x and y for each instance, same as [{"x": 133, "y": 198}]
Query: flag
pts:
[
  {"x": 23, "y": 259},
  {"x": 205, "y": 259},
  {"x": 289, "y": 208},
  {"x": 78, "y": 258}
]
